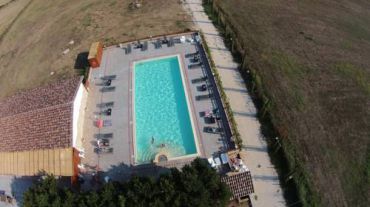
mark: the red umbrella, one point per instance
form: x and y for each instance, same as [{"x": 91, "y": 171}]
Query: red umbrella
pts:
[{"x": 99, "y": 123}]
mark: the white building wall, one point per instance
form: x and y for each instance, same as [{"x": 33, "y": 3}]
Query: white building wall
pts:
[{"x": 79, "y": 105}]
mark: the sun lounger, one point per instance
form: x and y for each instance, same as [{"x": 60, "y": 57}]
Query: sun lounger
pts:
[
  {"x": 203, "y": 97},
  {"x": 198, "y": 80},
  {"x": 108, "y": 89},
  {"x": 128, "y": 49},
  {"x": 217, "y": 161},
  {"x": 107, "y": 123},
  {"x": 158, "y": 44},
  {"x": 211, "y": 162},
  {"x": 144, "y": 46},
  {"x": 212, "y": 130},
  {"x": 103, "y": 143},
  {"x": 104, "y": 150},
  {"x": 208, "y": 113},
  {"x": 106, "y": 104},
  {"x": 176, "y": 40},
  {"x": 195, "y": 59},
  {"x": 194, "y": 65},
  {"x": 192, "y": 54},
  {"x": 109, "y": 77},
  {"x": 107, "y": 82},
  {"x": 209, "y": 120},
  {"x": 202, "y": 87},
  {"x": 170, "y": 42},
  {"x": 104, "y": 136},
  {"x": 108, "y": 112}
]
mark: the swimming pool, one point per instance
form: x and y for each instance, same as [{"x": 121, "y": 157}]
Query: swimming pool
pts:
[{"x": 162, "y": 122}]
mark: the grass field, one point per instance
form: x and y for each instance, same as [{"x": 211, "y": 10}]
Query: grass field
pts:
[
  {"x": 313, "y": 61},
  {"x": 34, "y": 34}
]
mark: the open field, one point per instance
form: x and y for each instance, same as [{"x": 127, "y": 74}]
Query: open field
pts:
[
  {"x": 9, "y": 10},
  {"x": 312, "y": 62},
  {"x": 33, "y": 36}
]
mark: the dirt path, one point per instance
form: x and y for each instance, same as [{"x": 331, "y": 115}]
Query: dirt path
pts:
[{"x": 266, "y": 182}]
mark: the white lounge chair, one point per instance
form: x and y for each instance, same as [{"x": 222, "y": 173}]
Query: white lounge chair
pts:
[
  {"x": 217, "y": 161},
  {"x": 211, "y": 162}
]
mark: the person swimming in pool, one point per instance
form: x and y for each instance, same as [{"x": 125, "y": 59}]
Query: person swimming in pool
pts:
[{"x": 152, "y": 140}]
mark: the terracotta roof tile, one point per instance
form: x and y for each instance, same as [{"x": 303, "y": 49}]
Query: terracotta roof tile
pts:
[
  {"x": 240, "y": 184},
  {"x": 40, "y": 118},
  {"x": 54, "y": 94}
]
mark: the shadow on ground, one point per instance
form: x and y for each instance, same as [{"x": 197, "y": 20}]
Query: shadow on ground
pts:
[{"x": 81, "y": 61}]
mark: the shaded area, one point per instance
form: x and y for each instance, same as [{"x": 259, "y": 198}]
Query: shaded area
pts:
[
  {"x": 82, "y": 61},
  {"x": 139, "y": 191}
]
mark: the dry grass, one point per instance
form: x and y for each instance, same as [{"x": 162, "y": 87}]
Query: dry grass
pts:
[
  {"x": 9, "y": 10},
  {"x": 31, "y": 48},
  {"x": 313, "y": 60}
]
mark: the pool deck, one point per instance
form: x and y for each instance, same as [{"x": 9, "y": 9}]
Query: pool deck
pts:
[{"x": 121, "y": 163}]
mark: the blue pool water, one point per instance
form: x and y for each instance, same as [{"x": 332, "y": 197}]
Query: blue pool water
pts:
[{"x": 161, "y": 111}]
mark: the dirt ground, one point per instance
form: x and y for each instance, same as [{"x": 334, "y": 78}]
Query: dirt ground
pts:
[
  {"x": 34, "y": 34},
  {"x": 313, "y": 61}
]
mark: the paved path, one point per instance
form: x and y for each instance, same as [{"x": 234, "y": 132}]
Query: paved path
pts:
[{"x": 267, "y": 189}]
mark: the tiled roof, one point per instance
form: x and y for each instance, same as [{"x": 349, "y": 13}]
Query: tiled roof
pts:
[
  {"x": 240, "y": 184},
  {"x": 60, "y": 92},
  {"x": 40, "y": 118}
]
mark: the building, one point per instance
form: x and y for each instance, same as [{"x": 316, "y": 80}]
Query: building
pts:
[
  {"x": 41, "y": 130},
  {"x": 240, "y": 185}
]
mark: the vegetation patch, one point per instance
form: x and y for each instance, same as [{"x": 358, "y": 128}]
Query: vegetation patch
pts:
[
  {"x": 312, "y": 88},
  {"x": 55, "y": 23},
  {"x": 356, "y": 74},
  {"x": 195, "y": 185}
]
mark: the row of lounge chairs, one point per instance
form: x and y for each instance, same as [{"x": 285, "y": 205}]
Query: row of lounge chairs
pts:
[
  {"x": 170, "y": 42},
  {"x": 103, "y": 139},
  {"x": 218, "y": 161},
  {"x": 142, "y": 46},
  {"x": 210, "y": 117}
]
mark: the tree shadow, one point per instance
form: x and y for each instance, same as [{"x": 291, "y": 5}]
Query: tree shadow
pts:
[{"x": 20, "y": 184}]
